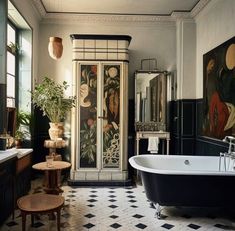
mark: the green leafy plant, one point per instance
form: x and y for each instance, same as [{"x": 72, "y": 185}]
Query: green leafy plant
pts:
[
  {"x": 13, "y": 47},
  {"x": 88, "y": 140},
  {"x": 48, "y": 96},
  {"x": 23, "y": 120}
]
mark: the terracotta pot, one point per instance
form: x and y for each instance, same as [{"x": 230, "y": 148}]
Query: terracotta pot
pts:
[
  {"x": 55, "y": 47},
  {"x": 56, "y": 131},
  {"x": 18, "y": 143}
]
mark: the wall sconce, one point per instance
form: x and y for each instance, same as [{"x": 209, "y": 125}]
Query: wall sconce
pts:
[{"x": 55, "y": 47}]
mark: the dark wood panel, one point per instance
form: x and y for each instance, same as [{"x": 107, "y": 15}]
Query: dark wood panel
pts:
[
  {"x": 188, "y": 118},
  {"x": 175, "y": 145},
  {"x": 101, "y": 37},
  {"x": 23, "y": 163},
  {"x": 175, "y": 117},
  {"x": 7, "y": 172},
  {"x": 183, "y": 126},
  {"x": 199, "y": 116},
  {"x": 206, "y": 146},
  {"x": 187, "y": 146},
  {"x": 186, "y": 130}
]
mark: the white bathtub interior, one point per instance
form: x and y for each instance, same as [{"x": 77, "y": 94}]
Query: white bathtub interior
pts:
[{"x": 179, "y": 164}]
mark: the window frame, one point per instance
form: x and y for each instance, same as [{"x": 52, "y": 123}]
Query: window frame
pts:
[{"x": 16, "y": 56}]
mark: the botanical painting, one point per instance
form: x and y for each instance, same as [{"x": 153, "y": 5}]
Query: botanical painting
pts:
[
  {"x": 219, "y": 91},
  {"x": 88, "y": 114},
  {"x": 111, "y": 107}
]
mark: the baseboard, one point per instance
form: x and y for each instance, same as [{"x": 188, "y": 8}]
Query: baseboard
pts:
[{"x": 122, "y": 183}]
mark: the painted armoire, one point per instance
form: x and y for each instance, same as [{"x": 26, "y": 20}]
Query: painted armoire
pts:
[{"x": 99, "y": 120}]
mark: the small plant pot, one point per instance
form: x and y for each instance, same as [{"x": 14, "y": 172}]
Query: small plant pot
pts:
[{"x": 18, "y": 143}]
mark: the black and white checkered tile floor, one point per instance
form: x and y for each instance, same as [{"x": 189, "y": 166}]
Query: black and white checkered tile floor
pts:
[{"x": 122, "y": 209}]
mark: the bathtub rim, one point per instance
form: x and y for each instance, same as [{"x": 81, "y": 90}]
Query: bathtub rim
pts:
[{"x": 176, "y": 172}]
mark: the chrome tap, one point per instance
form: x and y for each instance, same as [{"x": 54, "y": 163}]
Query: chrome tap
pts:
[
  {"x": 231, "y": 141},
  {"x": 228, "y": 156}
]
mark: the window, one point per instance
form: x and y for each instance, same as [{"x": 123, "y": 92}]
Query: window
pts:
[{"x": 11, "y": 65}]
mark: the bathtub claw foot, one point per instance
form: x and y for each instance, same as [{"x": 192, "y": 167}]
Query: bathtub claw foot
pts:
[
  {"x": 158, "y": 208},
  {"x": 158, "y": 215}
]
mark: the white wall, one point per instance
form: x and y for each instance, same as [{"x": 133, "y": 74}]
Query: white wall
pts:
[
  {"x": 149, "y": 40},
  {"x": 186, "y": 58},
  {"x": 215, "y": 25}
]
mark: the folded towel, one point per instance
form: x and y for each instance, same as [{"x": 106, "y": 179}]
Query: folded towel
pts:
[{"x": 153, "y": 144}]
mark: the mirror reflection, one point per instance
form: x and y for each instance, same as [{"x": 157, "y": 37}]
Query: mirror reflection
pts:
[{"x": 151, "y": 100}]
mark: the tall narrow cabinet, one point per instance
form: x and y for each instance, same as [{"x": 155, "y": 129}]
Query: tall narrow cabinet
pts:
[{"x": 99, "y": 120}]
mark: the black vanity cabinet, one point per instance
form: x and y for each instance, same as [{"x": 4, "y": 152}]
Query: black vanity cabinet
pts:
[
  {"x": 7, "y": 175},
  {"x": 23, "y": 175},
  {"x": 15, "y": 179}
]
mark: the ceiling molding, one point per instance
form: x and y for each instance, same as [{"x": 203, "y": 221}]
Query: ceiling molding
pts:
[
  {"x": 39, "y": 7},
  {"x": 56, "y": 17},
  {"x": 181, "y": 15},
  {"x": 47, "y": 17},
  {"x": 198, "y": 8}
]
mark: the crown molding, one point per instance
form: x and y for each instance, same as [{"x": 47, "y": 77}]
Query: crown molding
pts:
[
  {"x": 57, "y": 17},
  {"x": 37, "y": 4},
  {"x": 198, "y": 8},
  {"x": 71, "y": 17},
  {"x": 180, "y": 15}
]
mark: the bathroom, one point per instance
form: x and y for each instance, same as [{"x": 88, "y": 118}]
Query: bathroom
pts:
[{"x": 178, "y": 39}]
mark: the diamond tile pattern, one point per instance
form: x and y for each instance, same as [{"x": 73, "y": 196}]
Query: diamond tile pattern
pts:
[
  {"x": 121, "y": 209},
  {"x": 88, "y": 226},
  {"x": 113, "y": 216},
  {"x": 92, "y": 200},
  {"x": 138, "y": 216},
  {"x": 167, "y": 226},
  {"x": 141, "y": 226},
  {"x": 113, "y": 206},
  {"x": 115, "y": 225},
  {"x": 193, "y": 226},
  {"x": 89, "y": 215}
]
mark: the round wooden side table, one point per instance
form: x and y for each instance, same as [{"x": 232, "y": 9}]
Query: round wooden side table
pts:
[
  {"x": 40, "y": 204},
  {"x": 52, "y": 185}
]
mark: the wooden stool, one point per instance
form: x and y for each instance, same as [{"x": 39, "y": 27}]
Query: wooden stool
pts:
[{"x": 40, "y": 204}]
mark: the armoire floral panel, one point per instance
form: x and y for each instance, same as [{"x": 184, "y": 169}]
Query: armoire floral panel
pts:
[{"x": 99, "y": 121}]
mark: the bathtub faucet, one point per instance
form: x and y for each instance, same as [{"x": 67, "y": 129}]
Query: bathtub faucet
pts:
[
  {"x": 228, "y": 157},
  {"x": 231, "y": 141}
]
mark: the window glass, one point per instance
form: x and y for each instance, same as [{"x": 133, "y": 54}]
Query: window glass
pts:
[
  {"x": 11, "y": 35},
  {"x": 10, "y": 86},
  {"x": 11, "y": 102},
  {"x": 11, "y": 67},
  {"x": 10, "y": 63}
]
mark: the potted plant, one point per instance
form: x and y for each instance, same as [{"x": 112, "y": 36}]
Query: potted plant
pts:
[
  {"x": 23, "y": 120},
  {"x": 49, "y": 97},
  {"x": 13, "y": 47}
]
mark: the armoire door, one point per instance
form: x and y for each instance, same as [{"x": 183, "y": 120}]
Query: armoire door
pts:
[
  {"x": 87, "y": 115},
  {"x": 99, "y": 85},
  {"x": 111, "y": 78}
]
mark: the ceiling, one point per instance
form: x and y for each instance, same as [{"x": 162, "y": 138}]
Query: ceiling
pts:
[
  {"x": 146, "y": 7},
  {"x": 158, "y": 8}
]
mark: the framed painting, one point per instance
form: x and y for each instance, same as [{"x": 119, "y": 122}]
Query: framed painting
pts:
[{"x": 219, "y": 91}]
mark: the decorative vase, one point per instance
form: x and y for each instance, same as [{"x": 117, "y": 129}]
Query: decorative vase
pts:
[
  {"x": 56, "y": 131},
  {"x": 55, "y": 47}
]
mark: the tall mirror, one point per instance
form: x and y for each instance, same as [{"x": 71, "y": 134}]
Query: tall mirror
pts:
[{"x": 152, "y": 94}]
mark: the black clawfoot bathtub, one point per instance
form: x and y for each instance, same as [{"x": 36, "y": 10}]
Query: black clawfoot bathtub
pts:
[{"x": 193, "y": 181}]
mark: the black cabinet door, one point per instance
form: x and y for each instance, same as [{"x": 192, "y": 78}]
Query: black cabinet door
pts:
[{"x": 7, "y": 190}]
